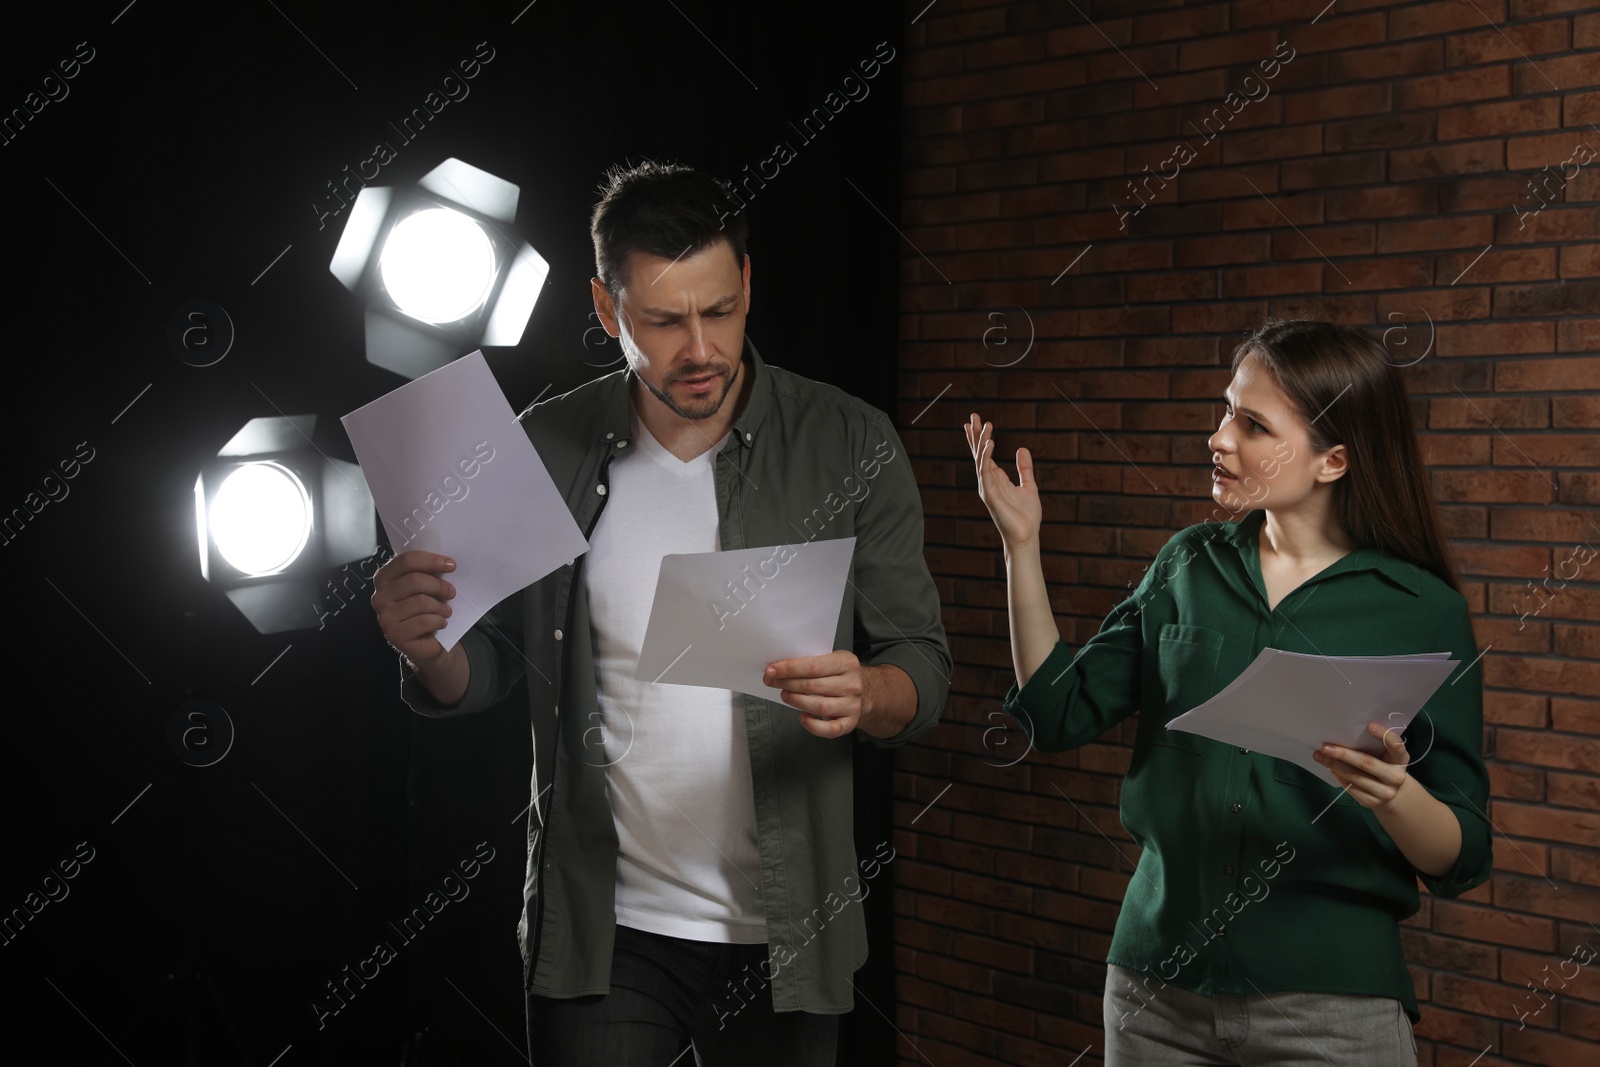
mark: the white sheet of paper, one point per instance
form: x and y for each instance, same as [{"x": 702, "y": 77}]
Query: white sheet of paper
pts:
[
  {"x": 452, "y": 471},
  {"x": 702, "y": 633},
  {"x": 1286, "y": 704}
]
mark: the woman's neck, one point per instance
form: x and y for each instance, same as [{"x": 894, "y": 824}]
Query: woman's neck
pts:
[{"x": 1306, "y": 538}]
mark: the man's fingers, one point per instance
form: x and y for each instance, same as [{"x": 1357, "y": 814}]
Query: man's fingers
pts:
[{"x": 807, "y": 667}]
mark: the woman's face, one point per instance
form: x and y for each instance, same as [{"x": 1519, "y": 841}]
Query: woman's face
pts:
[{"x": 1263, "y": 447}]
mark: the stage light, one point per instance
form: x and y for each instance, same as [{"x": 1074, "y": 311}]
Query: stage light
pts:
[
  {"x": 273, "y": 515},
  {"x": 261, "y": 518},
  {"x": 437, "y": 265},
  {"x": 438, "y": 271}
]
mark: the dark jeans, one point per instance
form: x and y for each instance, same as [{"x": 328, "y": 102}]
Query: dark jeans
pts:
[{"x": 666, "y": 993}]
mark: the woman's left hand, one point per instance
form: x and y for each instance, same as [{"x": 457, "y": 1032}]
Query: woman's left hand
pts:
[{"x": 1374, "y": 781}]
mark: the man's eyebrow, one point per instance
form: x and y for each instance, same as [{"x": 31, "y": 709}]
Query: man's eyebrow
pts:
[{"x": 663, "y": 313}]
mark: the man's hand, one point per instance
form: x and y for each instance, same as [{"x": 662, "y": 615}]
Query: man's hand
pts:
[
  {"x": 836, "y": 693},
  {"x": 411, "y": 599}
]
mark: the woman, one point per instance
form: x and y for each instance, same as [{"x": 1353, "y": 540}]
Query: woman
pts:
[{"x": 1261, "y": 925}]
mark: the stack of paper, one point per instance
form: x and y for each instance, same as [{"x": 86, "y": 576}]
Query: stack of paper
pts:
[{"x": 1288, "y": 704}]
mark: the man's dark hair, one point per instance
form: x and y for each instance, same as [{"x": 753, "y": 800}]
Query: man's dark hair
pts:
[{"x": 662, "y": 209}]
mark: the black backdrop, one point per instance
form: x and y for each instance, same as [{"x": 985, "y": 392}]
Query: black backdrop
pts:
[{"x": 181, "y": 162}]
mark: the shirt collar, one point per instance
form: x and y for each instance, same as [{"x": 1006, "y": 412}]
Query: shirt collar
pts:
[
  {"x": 758, "y": 399},
  {"x": 1244, "y": 534}
]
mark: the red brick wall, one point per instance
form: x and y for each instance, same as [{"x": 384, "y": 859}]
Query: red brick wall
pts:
[{"x": 1383, "y": 180}]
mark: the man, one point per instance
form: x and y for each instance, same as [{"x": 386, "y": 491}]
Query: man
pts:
[{"x": 691, "y": 872}]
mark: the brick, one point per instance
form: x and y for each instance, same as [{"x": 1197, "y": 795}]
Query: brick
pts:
[
  {"x": 1323, "y": 241},
  {"x": 1559, "y": 375},
  {"x": 1515, "y": 264},
  {"x": 1506, "y": 43},
  {"x": 1416, "y": 57},
  {"x": 1386, "y": 131},
  {"x": 944, "y": 28},
  {"x": 1580, "y": 261},
  {"x": 1275, "y": 143},
  {"x": 1557, "y": 298},
  {"x": 1556, "y": 150},
  {"x": 1491, "y": 487},
  {"x": 1152, "y": 62},
  {"x": 1178, "y": 286},
  {"x": 1425, "y": 20},
  {"x": 1575, "y": 411},
  {"x": 1267, "y": 281},
  {"x": 999, "y": 51},
  {"x": 1473, "y": 157},
  {"x": 1394, "y": 201},
  {"x": 1493, "y": 193},
  {"x": 1236, "y": 181},
  {"x": 1452, "y": 1028},
  {"x": 1457, "y": 87},
  {"x": 1550, "y": 750},
  {"x": 1576, "y": 71},
  {"x": 1582, "y": 335},
  {"x": 1239, "y": 49},
  {"x": 1549, "y": 225},
  {"x": 1483, "y": 413},
  {"x": 1272, "y": 211},
  {"x": 1441, "y": 450},
  {"x": 1182, "y": 24},
  {"x": 1085, "y": 37},
  {"x": 1434, "y": 234},
  {"x": 1511, "y": 116},
  {"x": 1350, "y": 169},
  {"x": 1586, "y": 31},
  {"x": 1574, "y": 791},
  {"x": 1389, "y": 272},
  {"x": 1317, "y": 105},
  {"x": 1233, "y": 248}
]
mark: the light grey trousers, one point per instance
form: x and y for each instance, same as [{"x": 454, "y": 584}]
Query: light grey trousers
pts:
[{"x": 1151, "y": 1025}]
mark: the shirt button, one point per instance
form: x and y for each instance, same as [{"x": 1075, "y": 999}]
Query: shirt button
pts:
[
  {"x": 609, "y": 436},
  {"x": 1242, "y": 751},
  {"x": 1237, "y": 808},
  {"x": 1221, "y": 930},
  {"x": 1228, "y": 870},
  {"x": 558, "y": 635},
  {"x": 602, "y": 491},
  {"x": 622, "y": 444},
  {"x": 570, "y": 562},
  {"x": 747, "y": 437}
]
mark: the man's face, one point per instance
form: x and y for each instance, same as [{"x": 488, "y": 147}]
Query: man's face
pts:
[{"x": 681, "y": 325}]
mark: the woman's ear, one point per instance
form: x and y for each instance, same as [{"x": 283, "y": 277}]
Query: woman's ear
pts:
[{"x": 1335, "y": 462}]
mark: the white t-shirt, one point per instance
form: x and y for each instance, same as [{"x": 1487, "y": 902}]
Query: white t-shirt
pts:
[{"x": 677, "y": 757}]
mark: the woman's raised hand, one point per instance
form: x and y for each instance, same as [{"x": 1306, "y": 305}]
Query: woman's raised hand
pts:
[{"x": 1015, "y": 509}]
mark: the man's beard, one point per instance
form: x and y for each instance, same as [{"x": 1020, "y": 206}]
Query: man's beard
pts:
[{"x": 666, "y": 398}]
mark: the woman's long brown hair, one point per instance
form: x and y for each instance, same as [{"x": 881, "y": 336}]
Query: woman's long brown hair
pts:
[{"x": 1347, "y": 391}]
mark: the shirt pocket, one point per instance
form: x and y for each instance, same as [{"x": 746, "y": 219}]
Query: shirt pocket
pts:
[{"x": 1187, "y": 658}]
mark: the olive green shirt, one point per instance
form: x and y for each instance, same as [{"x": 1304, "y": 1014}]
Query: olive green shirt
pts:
[
  {"x": 1257, "y": 876},
  {"x": 803, "y": 461}
]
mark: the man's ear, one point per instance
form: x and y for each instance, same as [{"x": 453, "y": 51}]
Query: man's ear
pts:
[
  {"x": 746, "y": 275},
  {"x": 1335, "y": 464},
  {"x": 605, "y": 307}
]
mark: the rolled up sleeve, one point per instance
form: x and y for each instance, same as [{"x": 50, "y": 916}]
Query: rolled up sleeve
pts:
[
  {"x": 495, "y": 661},
  {"x": 897, "y": 613},
  {"x": 1446, "y": 745}
]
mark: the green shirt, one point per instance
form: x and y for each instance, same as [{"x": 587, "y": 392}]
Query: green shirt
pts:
[
  {"x": 803, "y": 461},
  {"x": 1257, "y": 876}
]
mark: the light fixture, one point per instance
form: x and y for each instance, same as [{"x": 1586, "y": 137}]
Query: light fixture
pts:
[
  {"x": 438, "y": 270},
  {"x": 273, "y": 514}
]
